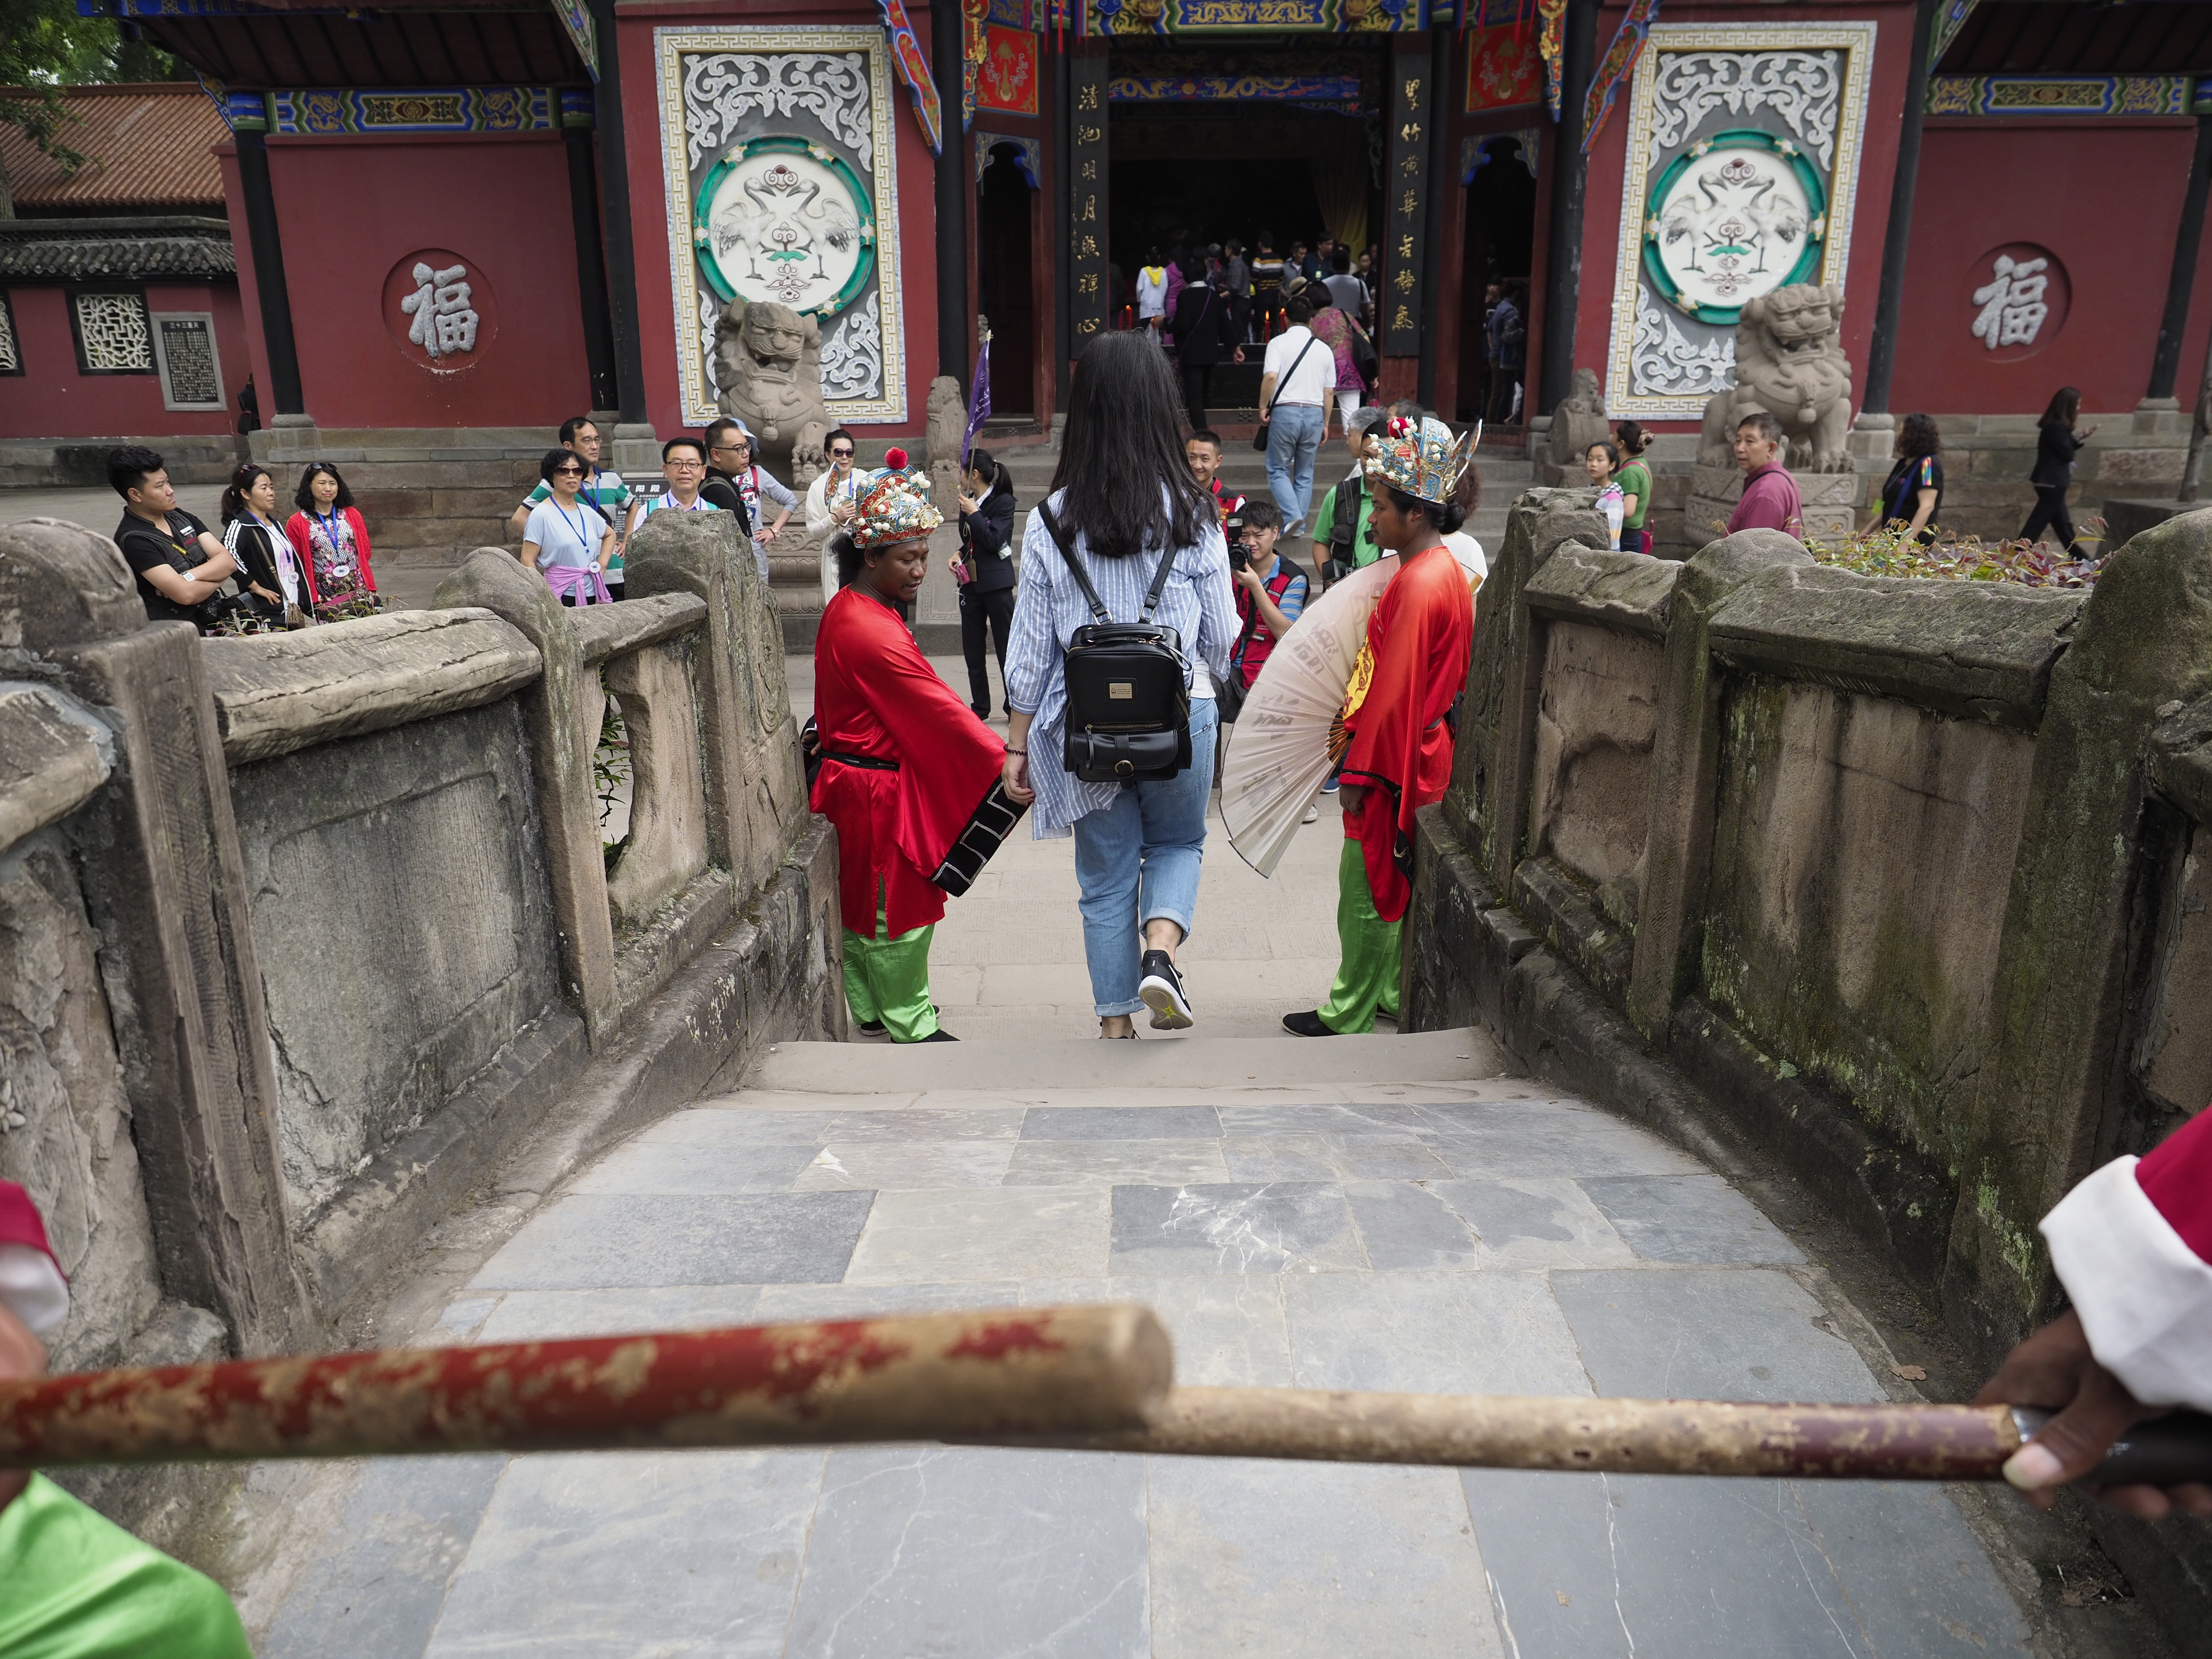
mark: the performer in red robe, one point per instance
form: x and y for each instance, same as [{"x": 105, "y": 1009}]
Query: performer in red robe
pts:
[
  {"x": 908, "y": 774},
  {"x": 2133, "y": 1246},
  {"x": 1398, "y": 747}
]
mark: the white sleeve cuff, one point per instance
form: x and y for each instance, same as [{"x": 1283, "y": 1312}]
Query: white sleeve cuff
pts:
[
  {"x": 2145, "y": 1297},
  {"x": 32, "y": 1288}
]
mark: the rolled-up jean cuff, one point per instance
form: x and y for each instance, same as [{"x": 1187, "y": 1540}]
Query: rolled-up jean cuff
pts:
[
  {"x": 1180, "y": 920},
  {"x": 1105, "y": 1012}
]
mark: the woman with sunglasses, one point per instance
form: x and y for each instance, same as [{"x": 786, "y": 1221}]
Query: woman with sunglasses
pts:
[
  {"x": 568, "y": 538},
  {"x": 830, "y": 503}
]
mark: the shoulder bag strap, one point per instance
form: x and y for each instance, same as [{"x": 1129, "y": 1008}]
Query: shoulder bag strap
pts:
[
  {"x": 1158, "y": 587},
  {"x": 1312, "y": 340},
  {"x": 1067, "y": 556}
]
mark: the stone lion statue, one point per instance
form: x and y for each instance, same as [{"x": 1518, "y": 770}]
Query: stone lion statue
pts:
[
  {"x": 1788, "y": 362},
  {"x": 1576, "y": 423},
  {"x": 768, "y": 363}
]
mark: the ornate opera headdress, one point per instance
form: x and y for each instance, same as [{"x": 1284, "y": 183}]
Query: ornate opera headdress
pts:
[
  {"x": 894, "y": 507},
  {"x": 1422, "y": 458}
]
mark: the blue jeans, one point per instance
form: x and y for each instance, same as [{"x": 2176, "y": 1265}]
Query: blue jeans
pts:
[
  {"x": 1138, "y": 860},
  {"x": 1293, "y": 445}
]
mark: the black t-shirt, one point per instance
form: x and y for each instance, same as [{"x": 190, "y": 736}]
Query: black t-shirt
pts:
[
  {"x": 1900, "y": 491},
  {"x": 721, "y": 491},
  {"x": 145, "y": 548}
]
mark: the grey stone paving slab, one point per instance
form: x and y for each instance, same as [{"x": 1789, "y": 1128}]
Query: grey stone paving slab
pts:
[
  {"x": 1699, "y": 1218},
  {"x": 1535, "y": 1221},
  {"x": 666, "y": 1167},
  {"x": 780, "y": 1304},
  {"x": 1116, "y": 1162},
  {"x": 1312, "y": 1561},
  {"x": 1390, "y": 1117},
  {"x": 723, "y": 1126},
  {"x": 1379, "y": 1155},
  {"x": 1278, "y": 1158},
  {"x": 1121, "y": 1124},
  {"x": 1431, "y": 1332},
  {"x": 1654, "y": 1567},
  {"x": 1408, "y": 1227},
  {"x": 1228, "y": 1329},
  {"x": 596, "y": 1241},
  {"x": 608, "y": 1555},
  {"x": 401, "y": 1536},
  {"x": 993, "y": 1233},
  {"x": 1286, "y": 1227},
  {"x": 903, "y": 1165},
  {"x": 1492, "y": 1139},
  {"x": 1684, "y": 1334},
  {"x": 982, "y": 1554},
  {"x": 929, "y": 1123},
  {"x": 532, "y": 1315}
]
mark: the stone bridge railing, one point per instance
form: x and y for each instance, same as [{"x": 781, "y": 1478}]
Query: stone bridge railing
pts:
[
  {"x": 303, "y": 935},
  {"x": 1903, "y": 881}
]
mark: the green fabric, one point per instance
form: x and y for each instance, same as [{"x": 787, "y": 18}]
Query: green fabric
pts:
[
  {"x": 1635, "y": 481},
  {"x": 1367, "y": 975},
  {"x": 74, "y": 1585},
  {"x": 887, "y": 979},
  {"x": 1365, "y": 551}
]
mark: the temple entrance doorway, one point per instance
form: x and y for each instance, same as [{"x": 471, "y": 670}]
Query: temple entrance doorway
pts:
[
  {"x": 1501, "y": 231},
  {"x": 1006, "y": 278}
]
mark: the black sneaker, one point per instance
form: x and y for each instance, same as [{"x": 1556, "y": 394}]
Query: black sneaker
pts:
[
  {"x": 1307, "y": 1023},
  {"x": 1162, "y": 992},
  {"x": 940, "y": 1035},
  {"x": 869, "y": 1027}
]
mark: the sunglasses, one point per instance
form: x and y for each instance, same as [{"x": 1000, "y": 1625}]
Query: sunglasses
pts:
[
  {"x": 840, "y": 454},
  {"x": 568, "y": 472}
]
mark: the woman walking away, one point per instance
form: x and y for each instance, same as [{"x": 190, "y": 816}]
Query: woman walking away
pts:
[
  {"x": 908, "y": 777},
  {"x": 1601, "y": 461},
  {"x": 332, "y": 542},
  {"x": 1635, "y": 481},
  {"x": 984, "y": 567},
  {"x": 1144, "y": 533},
  {"x": 268, "y": 569},
  {"x": 1399, "y": 757},
  {"x": 566, "y": 540},
  {"x": 2055, "y": 443},
  {"x": 1913, "y": 492},
  {"x": 1338, "y": 330}
]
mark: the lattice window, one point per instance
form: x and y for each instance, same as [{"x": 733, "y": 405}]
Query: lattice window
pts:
[
  {"x": 113, "y": 334},
  {"x": 11, "y": 352}
]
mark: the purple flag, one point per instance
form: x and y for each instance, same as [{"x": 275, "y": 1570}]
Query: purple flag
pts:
[{"x": 979, "y": 398}]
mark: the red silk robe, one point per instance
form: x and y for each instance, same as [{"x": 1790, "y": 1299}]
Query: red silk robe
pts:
[
  {"x": 875, "y": 695},
  {"x": 1419, "y": 638}
]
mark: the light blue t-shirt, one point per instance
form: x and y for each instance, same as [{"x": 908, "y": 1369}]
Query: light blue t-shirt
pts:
[{"x": 567, "y": 536}]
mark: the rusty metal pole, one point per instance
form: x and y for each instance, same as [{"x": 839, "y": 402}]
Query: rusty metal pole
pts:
[{"x": 925, "y": 1378}]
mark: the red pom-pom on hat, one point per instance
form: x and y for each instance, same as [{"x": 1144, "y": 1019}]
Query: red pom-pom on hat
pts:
[{"x": 895, "y": 460}]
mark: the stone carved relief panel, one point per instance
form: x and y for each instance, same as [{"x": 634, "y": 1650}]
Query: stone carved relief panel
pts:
[
  {"x": 1776, "y": 115},
  {"x": 804, "y": 118}
]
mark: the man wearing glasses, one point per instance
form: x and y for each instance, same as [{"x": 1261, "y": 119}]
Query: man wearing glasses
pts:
[
  {"x": 683, "y": 464},
  {"x": 830, "y": 503},
  {"x": 603, "y": 489}
]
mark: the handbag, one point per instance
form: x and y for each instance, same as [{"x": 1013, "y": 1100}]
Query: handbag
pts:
[
  {"x": 1128, "y": 698},
  {"x": 1260, "y": 437}
]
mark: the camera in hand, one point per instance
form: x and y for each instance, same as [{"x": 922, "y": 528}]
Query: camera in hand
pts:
[{"x": 1232, "y": 527}]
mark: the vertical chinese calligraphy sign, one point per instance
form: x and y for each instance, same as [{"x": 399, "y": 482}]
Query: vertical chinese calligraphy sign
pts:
[
  {"x": 779, "y": 167},
  {"x": 1744, "y": 144},
  {"x": 1086, "y": 201},
  {"x": 1405, "y": 195}
]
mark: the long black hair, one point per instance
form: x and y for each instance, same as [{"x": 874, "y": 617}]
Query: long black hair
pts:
[
  {"x": 1127, "y": 486},
  {"x": 234, "y": 499},
  {"x": 2065, "y": 406},
  {"x": 304, "y": 496}
]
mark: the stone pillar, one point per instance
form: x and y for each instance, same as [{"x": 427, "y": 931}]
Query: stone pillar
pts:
[
  {"x": 1684, "y": 758},
  {"x": 2181, "y": 279},
  {"x": 1563, "y": 271},
  {"x": 250, "y": 124},
  {"x": 614, "y": 182},
  {"x": 955, "y": 184},
  {"x": 561, "y": 714},
  {"x": 165, "y": 885},
  {"x": 1889, "y": 305}
]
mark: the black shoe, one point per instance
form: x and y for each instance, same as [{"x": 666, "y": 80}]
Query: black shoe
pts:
[
  {"x": 1162, "y": 992},
  {"x": 982, "y": 713},
  {"x": 1307, "y": 1024},
  {"x": 940, "y": 1035},
  {"x": 869, "y": 1027}
]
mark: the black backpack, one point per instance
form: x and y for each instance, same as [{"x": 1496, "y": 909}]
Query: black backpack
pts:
[{"x": 1128, "y": 699}]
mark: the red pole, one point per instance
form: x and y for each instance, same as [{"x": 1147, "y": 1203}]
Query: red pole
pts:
[{"x": 921, "y": 1378}]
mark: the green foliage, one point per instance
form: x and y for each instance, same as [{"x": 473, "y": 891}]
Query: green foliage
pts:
[
  {"x": 46, "y": 45},
  {"x": 1890, "y": 551}
]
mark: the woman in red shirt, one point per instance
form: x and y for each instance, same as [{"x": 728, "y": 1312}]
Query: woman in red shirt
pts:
[{"x": 332, "y": 539}]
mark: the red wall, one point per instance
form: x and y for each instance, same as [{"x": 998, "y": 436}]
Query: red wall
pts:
[
  {"x": 916, "y": 206},
  {"x": 1609, "y": 169},
  {"x": 349, "y": 210},
  {"x": 2105, "y": 199},
  {"x": 52, "y": 399}
]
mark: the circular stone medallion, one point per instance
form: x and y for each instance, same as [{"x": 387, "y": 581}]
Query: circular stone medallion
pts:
[
  {"x": 1734, "y": 216},
  {"x": 783, "y": 220}
]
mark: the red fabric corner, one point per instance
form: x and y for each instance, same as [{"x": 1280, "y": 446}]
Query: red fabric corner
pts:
[
  {"x": 2177, "y": 1178},
  {"x": 21, "y": 1223}
]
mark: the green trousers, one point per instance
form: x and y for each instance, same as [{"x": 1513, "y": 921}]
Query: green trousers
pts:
[
  {"x": 74, "y": 1585},
  {"x": 1367, "y": 977},
  {"x": 887, "y": 980}
]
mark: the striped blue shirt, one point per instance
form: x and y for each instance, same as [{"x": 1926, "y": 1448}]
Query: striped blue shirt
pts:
[{"x": 1197, "y": 602}]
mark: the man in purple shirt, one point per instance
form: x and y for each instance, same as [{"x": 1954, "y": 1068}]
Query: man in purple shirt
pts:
[{"x": 1770, "y": 494}]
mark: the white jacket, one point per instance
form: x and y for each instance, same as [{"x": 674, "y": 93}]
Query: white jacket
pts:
[{"x": 819, "y": 524}]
